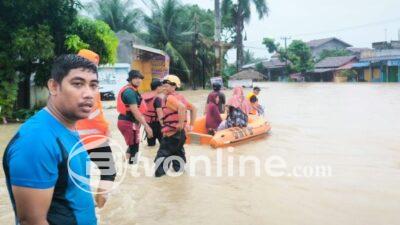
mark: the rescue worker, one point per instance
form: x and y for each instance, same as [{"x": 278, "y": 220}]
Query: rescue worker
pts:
[
  {"x": 94, "y": 132},
  {"x": 153, "y": 113},
  {"x": 130, "y": 118},
  {"x": 175, "y": 108}
]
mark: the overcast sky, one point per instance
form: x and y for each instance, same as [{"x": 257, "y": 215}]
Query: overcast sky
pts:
[{"x": 357, "y": 22}]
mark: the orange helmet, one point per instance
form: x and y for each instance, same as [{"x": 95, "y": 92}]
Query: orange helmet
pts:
[{"x": 89, "y": 55}]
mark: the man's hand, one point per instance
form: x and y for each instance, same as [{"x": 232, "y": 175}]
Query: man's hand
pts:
[{"x": 149, "y": 131}]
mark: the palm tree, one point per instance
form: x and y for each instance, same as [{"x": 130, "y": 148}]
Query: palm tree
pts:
[
  {"x": 118, "y": 14},
  {"x": 164, "y": 29},
  {"x": 236, "y": 14}
]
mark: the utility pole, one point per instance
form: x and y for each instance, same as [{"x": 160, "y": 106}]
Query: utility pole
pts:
[
  {"x": 285, "y": 39},
  {"x": 217, "y": 39},
  {"x": 194, "y": 52}
]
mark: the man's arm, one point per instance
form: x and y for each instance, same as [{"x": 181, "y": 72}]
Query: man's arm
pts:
[
  {"x": 160, "y": 115},
  {"x": 193, "y": 114},
  {"x": 32, "y": 204},
  {"x": 139, "y": 117}
]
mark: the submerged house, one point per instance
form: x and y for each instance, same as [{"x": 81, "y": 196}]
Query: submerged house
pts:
[
  {"x": 245, "y": 78},
  {"x": 332, "y": 69},
  {"x": 273, "y": 69},
  {"x": 379, "y": 65},
  {"x": 319, "y": 45}
]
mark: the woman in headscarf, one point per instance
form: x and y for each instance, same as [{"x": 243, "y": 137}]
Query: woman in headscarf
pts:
[
  {"x": 213, "y": 117},
  {"x": 238, "y": 109}
]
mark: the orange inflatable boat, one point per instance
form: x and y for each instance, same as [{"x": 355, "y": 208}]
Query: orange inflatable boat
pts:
[{"x": 257, "y": 126}]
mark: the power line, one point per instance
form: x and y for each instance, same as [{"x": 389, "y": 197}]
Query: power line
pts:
[{"x": 349, "y": 27}]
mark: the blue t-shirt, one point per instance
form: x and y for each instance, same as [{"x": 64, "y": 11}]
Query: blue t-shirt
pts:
[{"x": 43, "y": 155}]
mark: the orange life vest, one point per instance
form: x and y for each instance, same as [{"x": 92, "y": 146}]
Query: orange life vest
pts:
[
  {"x": 148, "y": 100},
  {"x": 122, "y": 108},
  {"x": 171, "y": 117},
  {"x": 93, "y": 130}
]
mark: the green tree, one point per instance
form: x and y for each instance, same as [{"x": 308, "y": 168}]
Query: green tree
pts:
[
  {"x": 31, "y": 34},
  {"x": 333, "y": 53},
  {"x": 95, "y": 35},
  {"x": 298, "y": 54},
  {"x": 118, "y": 14},
  {"x": 169, "y": 28},
  {"x": 248, "y": 57},
  {"x": 164, "y": 31},
  {"x": 235, "y": 15}
]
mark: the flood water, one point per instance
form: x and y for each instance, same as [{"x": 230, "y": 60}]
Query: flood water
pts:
[{"x": 350, "y": 130}]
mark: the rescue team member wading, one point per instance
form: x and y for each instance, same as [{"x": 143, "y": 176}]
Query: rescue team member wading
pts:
[
  {"x": 130, "y": 117},
  {"x": 153, "y": 110},
  {"x": 35, "y": 162},
  {"x": 94, "y": 132},
  {"x": 174, "y": 122}
]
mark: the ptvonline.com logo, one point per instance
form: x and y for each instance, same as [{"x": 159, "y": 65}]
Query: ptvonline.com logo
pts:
[
  {"x": 221, "y": 163},
  {"x": 97, "y": 170}
]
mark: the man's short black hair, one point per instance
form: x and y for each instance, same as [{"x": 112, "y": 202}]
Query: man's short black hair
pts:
[
  {"x": 256, "y": 89},
  {"x": 65, "y": 63},
  {"x": 216, "y": 86},
  {"x": 253, "y": 99},
  {"x": 155, "y": 83},
  {"x": 134, "y": 74}
]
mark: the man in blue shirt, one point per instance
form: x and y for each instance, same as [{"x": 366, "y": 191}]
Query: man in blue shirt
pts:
[{"x": 45, "y": 171}]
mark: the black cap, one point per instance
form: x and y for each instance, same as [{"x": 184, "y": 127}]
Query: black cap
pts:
[
  {"x": 155, "y": 83},
  {"x": 134, "y": 74}
]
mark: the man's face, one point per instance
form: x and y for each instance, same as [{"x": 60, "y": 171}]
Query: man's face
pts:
[
  {"x": 75, "y": 96},
  {"x": 256, "y": 92},
  {"x": 169, "y": 88},
  {"x": 136, "y": 82},
  {"x": 160, "y": 89}
]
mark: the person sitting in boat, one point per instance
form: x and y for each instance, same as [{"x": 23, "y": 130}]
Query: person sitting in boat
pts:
[
  {"x": 238, "y": 109},
  {"x": 256, "y": 107},
  {"x": 213, "y": 116}
]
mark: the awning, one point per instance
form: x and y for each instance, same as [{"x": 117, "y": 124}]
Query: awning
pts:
[
  {"x": 360, "y": 64},
  {"x": 149, "y": 49},
  {"x": 395, "y": 62},
  {"x": 322, "y": 70}
]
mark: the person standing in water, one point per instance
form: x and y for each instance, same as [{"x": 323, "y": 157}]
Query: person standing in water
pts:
[
  {"x": 213, "y": 116},
  {"x": 40, "y": 163},
  {"x": 221, "y": 104},
  {"x": 94, "y": 132},
  {"x": 174, "y": 123},
  {"x": 130, "y": 117},
  {"x": 153, "y": 110}
]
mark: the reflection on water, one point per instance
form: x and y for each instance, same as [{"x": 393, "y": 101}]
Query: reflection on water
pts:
[{"x": 353, "y": 128}]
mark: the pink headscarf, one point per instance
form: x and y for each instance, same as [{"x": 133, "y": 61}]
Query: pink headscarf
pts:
[{"x": 239, "y": 101}]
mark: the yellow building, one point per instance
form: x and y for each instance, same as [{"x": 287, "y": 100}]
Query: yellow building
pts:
[{"x": 151, "y": 62}]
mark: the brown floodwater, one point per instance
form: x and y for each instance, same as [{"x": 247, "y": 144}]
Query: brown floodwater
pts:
[{"x": 350, "y": 132}]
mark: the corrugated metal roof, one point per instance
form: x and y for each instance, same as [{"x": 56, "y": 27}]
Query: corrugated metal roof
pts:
[
  {"x": 319, "y": 42},
  {"x": 149, "y": 49},
  {"x": 247, "y": 74},
  {"x": 334, "y": 62}
]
